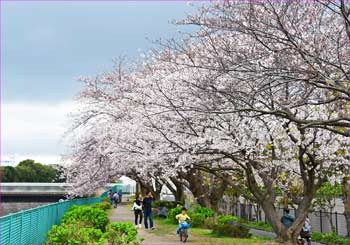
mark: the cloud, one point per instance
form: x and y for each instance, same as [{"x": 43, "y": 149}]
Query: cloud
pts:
[{"x": 33, "y": 130}]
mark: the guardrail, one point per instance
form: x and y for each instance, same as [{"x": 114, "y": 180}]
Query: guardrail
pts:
[{"x": 31, "y": 226}]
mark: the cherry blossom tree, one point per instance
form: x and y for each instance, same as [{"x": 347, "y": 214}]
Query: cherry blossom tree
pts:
[{"x": 260, "y": 89}]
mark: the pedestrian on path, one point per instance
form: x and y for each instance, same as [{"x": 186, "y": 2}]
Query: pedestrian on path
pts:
[
  {"x": 120, "y": 195},
  {"x": 137, "y": 208},
  {"x": 287, "y": 219},
  {"x": 110, "y": 194},
  {"x": 147, "y": 210},
  {"x": 115, "y": 199}
]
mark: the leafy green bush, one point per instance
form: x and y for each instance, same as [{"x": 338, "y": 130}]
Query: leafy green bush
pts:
[
  {"x": 260, "y": 225},
  {"x": 226, "y": 219},
  {"x": 207, "y": 212},
  {"x": 209, "y": 223},
  {"x": 103, "y": 205},
  {"x": 74, "y": 233},
  {"x": 121, "y": 233},
  {"x": 197, "y": 219},
  {"x": 237, "y": 230},
  {"x": 89, "y": 216},
  {"x": 175, "y": 211},
  {"x": 329, "y": 238}
]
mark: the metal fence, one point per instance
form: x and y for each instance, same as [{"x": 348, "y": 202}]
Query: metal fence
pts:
[
  {"x": 31, "y": 226},
  {"x": 320, "y": 221}
]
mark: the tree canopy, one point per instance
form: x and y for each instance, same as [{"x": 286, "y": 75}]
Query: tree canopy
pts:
[
  {"x": 31, "y": 171},
  {"x": 258, "y": 95}
]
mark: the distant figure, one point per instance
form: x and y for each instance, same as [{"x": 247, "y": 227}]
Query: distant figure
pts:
[
  {"x": 287, "y": 220},
  {"x": 120, "y": 195},
  {"x": 110, "y": 194},
  {"x": 147, "y": 210},
  {"x": 137, "y": 208},
  {"x": 162, "y": 212},
  {"x": 115, "y": 199},
  {"x": 306, "y": 231}
]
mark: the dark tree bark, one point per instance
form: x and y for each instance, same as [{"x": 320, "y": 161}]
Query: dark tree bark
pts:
[
  {"x": 178, "y": 192},
  {"x": 206, "y": 195}
]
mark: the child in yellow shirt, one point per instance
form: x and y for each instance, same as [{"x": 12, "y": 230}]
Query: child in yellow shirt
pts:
[{"x": 183, "y": 219}]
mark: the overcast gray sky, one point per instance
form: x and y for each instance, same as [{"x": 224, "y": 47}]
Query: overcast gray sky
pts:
[{"x": 46, "y": 45}]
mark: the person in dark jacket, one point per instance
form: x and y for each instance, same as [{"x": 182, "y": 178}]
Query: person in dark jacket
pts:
[
  {"x": 120, "y": 195},
  {"x": 147, "y": 210},
  {"x": 287, "y": 219}
]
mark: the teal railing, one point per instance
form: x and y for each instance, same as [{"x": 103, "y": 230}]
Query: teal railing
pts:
[{"x": 31, "y": 226}]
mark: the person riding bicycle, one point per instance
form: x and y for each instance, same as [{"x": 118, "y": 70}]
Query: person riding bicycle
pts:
[
  {"x": 306, "y": 231},
  {"x": 183, "y": 219}
]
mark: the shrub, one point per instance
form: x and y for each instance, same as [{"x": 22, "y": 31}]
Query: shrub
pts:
[
  {"x": 226, "y": 219},
  {"x": 121, "y": 233},
  {"x": 175, "y": 211},
  {"x": 74, "y": 233},
  {"x": 207, "y": 212},
  {"x": 87, "y": 215},
  {"x": 237, "y": 230},
  {"x": 260, "y": 225},
  {"x": 209, "y": 223},
  {"x": 329, "y": 238},
  {"x": 103, "y": 205},
  {"x": 197, "y": 219}
]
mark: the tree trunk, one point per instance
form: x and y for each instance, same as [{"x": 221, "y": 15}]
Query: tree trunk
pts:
[
  {"x": 178, "y": 193},
  {"x": 138, "y": 188},
  {"x": 157, "y": 190},
  {"x": 195, "y": 181},
  {"x": 267, "y": 198}
]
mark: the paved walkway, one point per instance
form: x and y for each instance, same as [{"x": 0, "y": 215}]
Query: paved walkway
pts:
[{"x": 123, "y": 213}]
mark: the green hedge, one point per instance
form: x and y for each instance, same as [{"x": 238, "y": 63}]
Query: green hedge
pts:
[
  {"x": 225, "y": 219},
  {"x": 90, "y": 225},
  {"x": 121, "y": 233},
  {"x": 199, "y": 217},
  {"x": 103, "y": 205},
  {"x": 237, "y": 230},
  {"x": 329, "y": 238},
  {"x": 88, "y": 215},
  {"x": 75, "y": 233}
]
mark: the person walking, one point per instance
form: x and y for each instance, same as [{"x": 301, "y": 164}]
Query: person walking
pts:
[
  {"x": 137, "y": 208},
  {"x": 110, "y": 194},
  {"x": 115, "y": 199},
  {"x": 287, "y": 219},
  {"x": 120, "y": 195},
  {"x": 147, "y": 210},
  {"x": 306, "y": 231}
]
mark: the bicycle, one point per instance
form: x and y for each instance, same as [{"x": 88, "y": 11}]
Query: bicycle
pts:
[
  {"x": 184, "y": 234},
  {"x": 304, "y": 237}
]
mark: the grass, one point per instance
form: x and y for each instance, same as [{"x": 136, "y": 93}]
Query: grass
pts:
[
  {"x": 202, "y": 235},
  {"x": 259, "y": 225}
]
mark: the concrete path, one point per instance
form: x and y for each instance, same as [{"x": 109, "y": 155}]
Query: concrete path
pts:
[{"x": 263, "y": 233}]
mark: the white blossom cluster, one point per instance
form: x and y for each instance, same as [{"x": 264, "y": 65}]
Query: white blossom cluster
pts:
[{"x": 261, "y": 87}]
